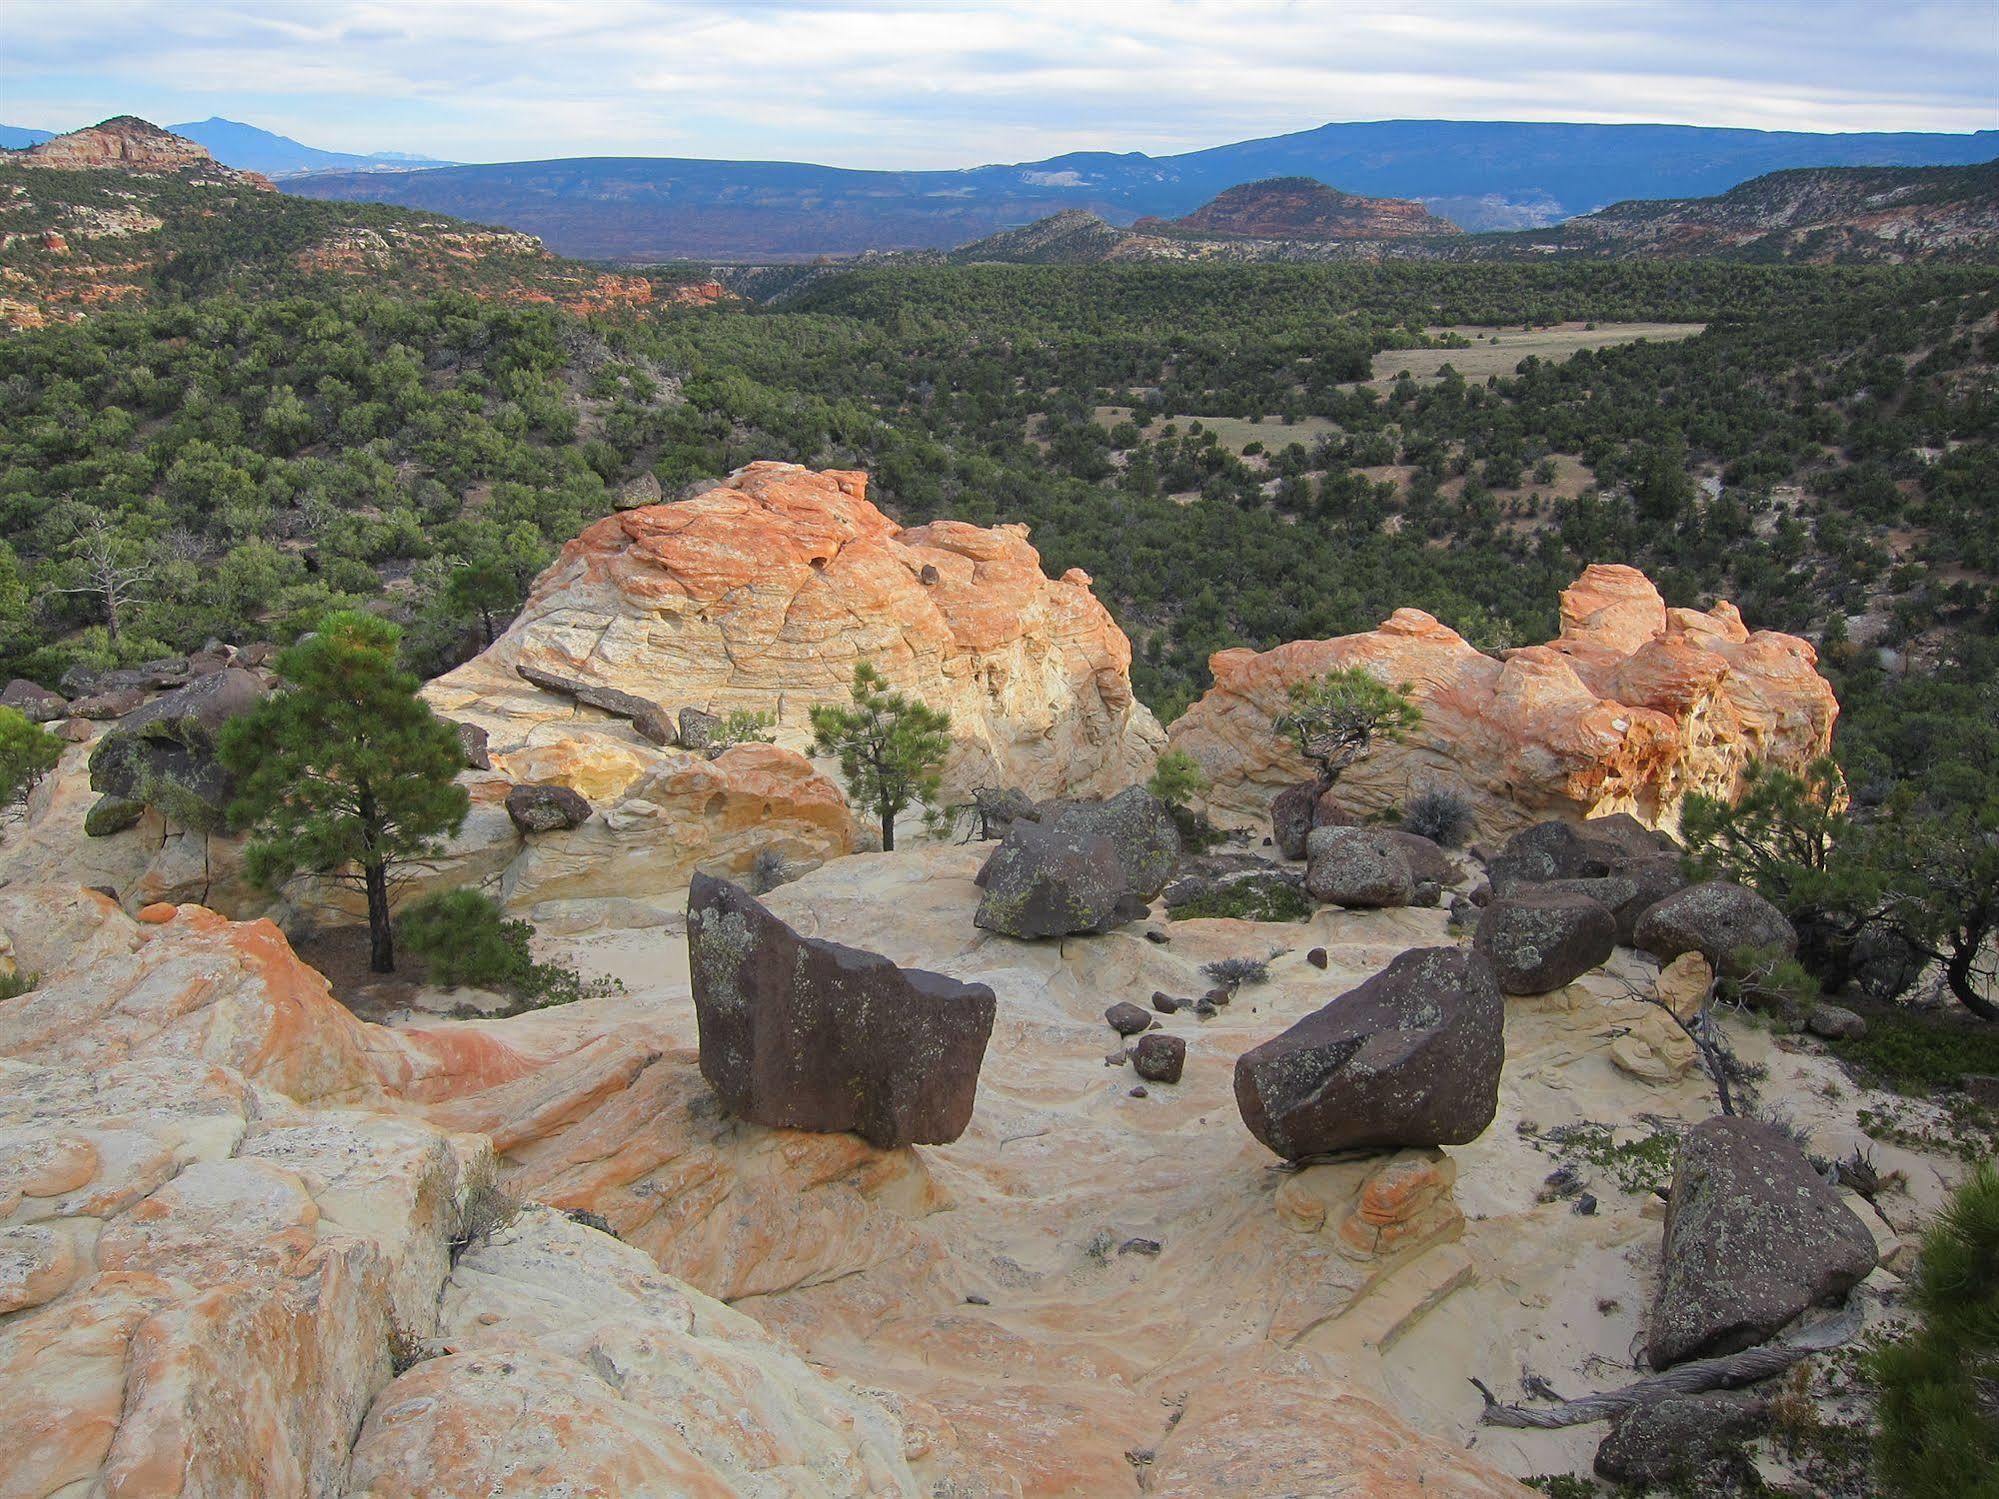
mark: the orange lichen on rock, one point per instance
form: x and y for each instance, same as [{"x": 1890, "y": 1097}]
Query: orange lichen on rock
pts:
[{"x": 1630, "y": 708}]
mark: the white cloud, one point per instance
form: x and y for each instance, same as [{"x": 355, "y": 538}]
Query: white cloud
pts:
[{"x": 928, "y": 83}]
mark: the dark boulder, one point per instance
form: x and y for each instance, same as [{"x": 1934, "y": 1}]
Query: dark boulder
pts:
[
  {"x": 1622, "y": 836},
  {"x": 1291, "y": 818},
  {"x": 1716, "y": 919},
  {"x": 998, "y": 808},
  {"x": 800, "y": 1033},
  {"x": 1127, "y": 1019},
  {"x": 1158, "y": 1057},
  {"x": 1410, "y": 1058},
  {"x": 1754, "y": 1236},
  {"x": 111, "y": 814},
  {"x": 1139, "y": 826},
  {"x": 1652, "y": 877},
  {"x": 1357, "y": 867},
  {"x": 163, "y": 753},
  {"x": 1317, "y": 958},
  {"x": 474, "y": 741},
  {"x": 1540, "y": 939},
  {"x": 647, "y": 717},
  {"x": 1547, "y": 851},
  {"x": 1835, "y": 1023},
  {"x": 115, "y": 703},
  {"x": 545, "y": 809},
  {"x": 1045, "y": 881},
  {"x": 1425, "y": 858},
  {"x": 33, "y": 701},
  {"x": 697, "y": 729},
  {"x": 1675, "y": 1440}
]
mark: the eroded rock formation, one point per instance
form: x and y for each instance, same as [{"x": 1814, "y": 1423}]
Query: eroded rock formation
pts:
[
  {"x": 764, "y": 592},
  {"x": 1630, "y": 708},
  {"x": 126, "y": 143}
]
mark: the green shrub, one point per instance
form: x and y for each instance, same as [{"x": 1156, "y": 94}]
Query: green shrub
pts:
[
  {"x": 462, "y": 939},
  {"x": 27, "y": 753},
  {"x": 14, "y": 985},
  {"x": 1248, "y": 900},
  {"x": 1939, "y": 1429},
  {"x": 1915, "y": 1054},
  {"x": 1444, "y": 817},
  {"x": 1177, "y": 778}
]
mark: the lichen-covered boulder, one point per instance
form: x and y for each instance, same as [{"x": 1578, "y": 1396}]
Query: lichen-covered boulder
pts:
[
  {"x": 111, "y": 814},
  {"x": 801, "y": 1033},
  {"x": 1055, "y": 881},
  {"x": 1139, "y": 826},
  {"x": 1675, "y": 1438},
  {"x": 163, "y": 753},
  {"x": 1754, "y": 1236},
  {"x": 544, "y": 809},
  {"x": 1718, "y": 920},
  {"x": 1412, "y": 1057},
  {"x": 1540, "y": 939},
  {"x": 33, "y": 701},
  {"x": 1555, "y": 850},
  {"x": 1358, "y": 867},
  {"x": 1158, "y": 1057},
  {"x": 1292, "y": 818}
]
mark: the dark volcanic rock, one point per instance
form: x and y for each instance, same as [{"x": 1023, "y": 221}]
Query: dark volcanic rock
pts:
[
  {"x": 1045, "y": 881},
  {"x": 1425, "y": 858},
  {"x": 648, "y": 718},
  {"x": 801, "y": 1033},
  {"x": 163, "y": 753},
  {"x": 115, "y": 703},
  {"x": 1291, "y": 815},
  {"x": 1356, "y": 867},
  {"x": 1717, "y": 920},
  {"x": 1754, "y": 1236},
  {"x": 1540, "y": 939},
  {"x": 1139, "y": 826},
  {"x": 473, "y": 741},
  {"x": 1675, "y": 1438},
  {"x": 1158, "y": 1057},
  {"x": 544, "y": 809},
  {"x": 1411, "y": 1057},
  {"x": 1127, "y": 1019},
  {"x": 33, "y": 701},
  {"x": 1547, "y": 851}
]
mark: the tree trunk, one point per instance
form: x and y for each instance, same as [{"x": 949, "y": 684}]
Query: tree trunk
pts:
[
  {"x": 888, "y": 831},
  {"x": 381, "y": 932},
  {"x": 1957, "y": 974}
]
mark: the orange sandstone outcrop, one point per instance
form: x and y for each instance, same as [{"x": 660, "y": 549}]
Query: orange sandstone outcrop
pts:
[
  {"x": 1629, "y": 709},
  {"x": 764, "y": 592}
]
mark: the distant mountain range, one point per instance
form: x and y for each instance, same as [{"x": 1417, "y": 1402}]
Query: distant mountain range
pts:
[
  {"x": 1845, "y": 214},
  {"x": 250, "y": 149},
  {"x": 1478, "y": 174}
]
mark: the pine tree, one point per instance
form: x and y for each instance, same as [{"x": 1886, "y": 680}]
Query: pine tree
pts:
[
  {"x": 891, "y": 747},
  {"x": 346, "y": 773}
]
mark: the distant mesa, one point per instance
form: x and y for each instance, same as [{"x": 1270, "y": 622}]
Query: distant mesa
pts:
[
  {"x": 1301, "y": 208},
  {"x": 129, "y": 144}
]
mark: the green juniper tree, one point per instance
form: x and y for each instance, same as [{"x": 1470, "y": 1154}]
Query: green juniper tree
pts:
[
  {"x": 346, "y": 772},
  {"x": 891, "y": 747},
  {"x": 27, "y": 753},
  {"x": 1335, "y": 719}
]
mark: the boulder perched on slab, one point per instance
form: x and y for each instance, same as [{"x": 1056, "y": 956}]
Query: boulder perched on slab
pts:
[
  {"x": 1754, "y": 1236},
  {"x": 1540, "y": 939},
  {"x": 544, "y": 809},
  {"x": 801, "y": 1033},
  {"x": 163, "y": 753},
  {"x": 1055, "y": 880},
  {"x": 1718, "y": 920},
  {"x": 1411, "y": 1057},
  {"x": 1139, "y": 826},
  {"x": 1357, "y": 867}
]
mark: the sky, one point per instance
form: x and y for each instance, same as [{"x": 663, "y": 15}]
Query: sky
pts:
[{"x": 924, "y": 83}]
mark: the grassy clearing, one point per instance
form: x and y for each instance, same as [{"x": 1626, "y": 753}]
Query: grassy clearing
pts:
[{"x": 1501, "y": 357}]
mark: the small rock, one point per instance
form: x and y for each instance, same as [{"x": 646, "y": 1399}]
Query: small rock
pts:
[
  {"x": 1165, "y": 1003},
  {"x": 473, "y": 741},
  {"x": 1586, "y": 1205},
  {"x": 1139, "y": 1246},
  {"x": 1357, "y": 868},
  {"x": 1153, "y": 934},
  {"x": 697, "y": 729},
  {"x": 1138, "y": 1090},
  {"x": 1318, "y": 958},
  {"x": 1158, "y": 1057},
  {"x": 111, "y": 814},
  {"x": 1117, "y": 1058},
  {"x": 1835, "y": 1023},
  {"x": 975, "y": 1299},
  {"x": 1203, "y": 1010},
  {"x": 1220, "y": 995},
  {"x": 1126, "y": 1018}
]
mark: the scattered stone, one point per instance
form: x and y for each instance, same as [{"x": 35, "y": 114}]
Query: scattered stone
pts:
[
  {"x": 1158, "y": 1057},
  {"x": 1673, "y": 1439},
  {"x": 1221, "y": 994},
  {"x": 1165, "y": 1003},
  {"x": 1586, "y": 1205},
  {"x": 1427, "y": 896},
  {"x": 75, "y": 730},
  {"x": 1835, "y": 1023},
  {"x": 1754, "y": 1236},
  {"x": 474, "y": 741},
  {"x": 1139, "y": 1246},
  {"x": 1204, "y": 1010},
  {"x": 1356, "y": 867},
  {"x": 975, "y": 1299},
  {"x": 928, "y": 575},
  {"x": 1126, "y": 1018},
  {"x": 1153, "y": 934},
  {"x": 1411, "y": 1057},
  {"x": 33, "y": 701},
  {"x": 546, "y": 808},
  {"x": 1117, "y": 1058},
  {"x": 111, "y": 814},
  {"x": 1045, "y": 881},
  {"x": 1540, "y": 939},
  {"x": 1717, "y": 919},
  {"x": 1318, "y": 958},
  {"x": 636, "y": 494},
  {"x": 801, "y": 1033},
  {"x": 1138, "y": 1090}
]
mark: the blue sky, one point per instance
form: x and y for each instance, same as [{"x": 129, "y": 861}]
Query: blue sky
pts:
[{"x": 921, "y": 83}]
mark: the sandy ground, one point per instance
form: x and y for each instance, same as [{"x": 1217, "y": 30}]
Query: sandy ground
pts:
[{"x": 1062, "y": 1167}]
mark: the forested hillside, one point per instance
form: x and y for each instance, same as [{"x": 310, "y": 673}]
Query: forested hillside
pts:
[{"x": 1226, "y": 449}]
